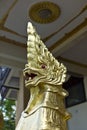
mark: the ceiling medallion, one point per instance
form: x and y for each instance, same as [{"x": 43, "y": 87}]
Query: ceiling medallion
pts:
[{"x": 44, "y": 12}]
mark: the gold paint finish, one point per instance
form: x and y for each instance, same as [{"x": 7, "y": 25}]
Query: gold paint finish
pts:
[
  {"x": 44, "y": 77},
  {"x": 44, "y": 12}
]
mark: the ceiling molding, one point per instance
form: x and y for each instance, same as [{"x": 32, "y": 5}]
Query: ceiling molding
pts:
[
  {"x": 10, "y": 57},
  {"x": 11, "y": 63},
  {"x": 44, "y": 12},
  {"x": 69, "y": 35},
  {"x": 74, "y": 67},
  {"x": 72, "y": 62},
  {"x": 10, "y": 41},
  {"x": 70, "y": 21},
  {"x": 11, "y": 31},
  {"x": 3, "y": 20},
  {"x": 59, "y": 42}
]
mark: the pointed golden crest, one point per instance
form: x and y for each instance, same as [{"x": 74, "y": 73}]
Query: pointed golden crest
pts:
[
  {"x": 44, "y": 76},
  {"x": 42, "y": 66}
]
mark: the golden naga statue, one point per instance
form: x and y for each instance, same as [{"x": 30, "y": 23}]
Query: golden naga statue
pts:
[{"x": 44, "y": 77}]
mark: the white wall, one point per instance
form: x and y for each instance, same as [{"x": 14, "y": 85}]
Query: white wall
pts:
[
  {"x": 79, "y": 117},
  {"x": 79, "y": 114}
]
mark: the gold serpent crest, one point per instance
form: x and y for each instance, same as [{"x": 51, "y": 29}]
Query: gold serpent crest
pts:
[
  {"x": 41, "y": 60},
  {"x": 44, "y": 77}
]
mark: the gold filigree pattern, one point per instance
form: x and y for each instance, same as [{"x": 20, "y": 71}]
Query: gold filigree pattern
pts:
[{"x": 48, "y": 67}]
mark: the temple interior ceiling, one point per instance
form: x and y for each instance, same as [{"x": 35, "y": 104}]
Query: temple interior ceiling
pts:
[{"x": 65, "y": 34}]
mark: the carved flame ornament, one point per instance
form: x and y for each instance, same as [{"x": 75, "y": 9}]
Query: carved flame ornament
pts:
[{"x": 44, "y": 77}]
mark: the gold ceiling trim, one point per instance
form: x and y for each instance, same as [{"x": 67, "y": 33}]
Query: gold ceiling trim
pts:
[
  {"x": 70, "y": 21},
  {"x": 3, "y": 20},
  {"x": 13, "y": 42},
  {"x": 44, "y": 12},
  {"x": 69, "y": 35},
  {"x": 72, "y": 62}
]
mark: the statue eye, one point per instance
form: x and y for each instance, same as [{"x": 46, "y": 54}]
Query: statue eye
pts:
[
  {"x": 39, "y": 45},
  {"x": 43, "y": 66}
]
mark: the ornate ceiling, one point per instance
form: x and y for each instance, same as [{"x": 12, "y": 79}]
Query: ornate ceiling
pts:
[{"x": 65, "y": 34}]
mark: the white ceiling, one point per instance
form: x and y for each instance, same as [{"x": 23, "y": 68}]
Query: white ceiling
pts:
[
  {"x": 66, "y": 37},
  {"x": 77, "y": 53}
]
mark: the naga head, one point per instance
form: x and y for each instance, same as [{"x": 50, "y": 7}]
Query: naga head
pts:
[{"x": 42, "y": 67}]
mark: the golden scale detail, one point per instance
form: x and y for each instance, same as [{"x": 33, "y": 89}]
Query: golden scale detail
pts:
[{"x": 44, "y": 77}]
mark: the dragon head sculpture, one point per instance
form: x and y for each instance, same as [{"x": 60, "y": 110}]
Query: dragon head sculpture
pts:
[{"x": 42, "y": 67}]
